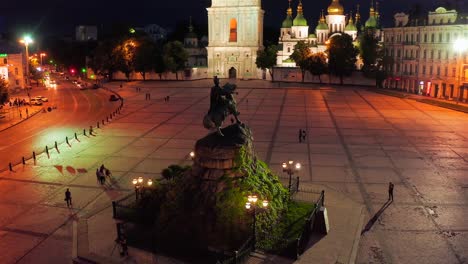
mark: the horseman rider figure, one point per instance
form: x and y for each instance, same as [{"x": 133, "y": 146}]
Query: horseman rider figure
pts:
[{"x": 222, "y": 104}]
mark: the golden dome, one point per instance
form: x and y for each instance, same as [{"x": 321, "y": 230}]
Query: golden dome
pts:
[{"x": 335, "y": 8}]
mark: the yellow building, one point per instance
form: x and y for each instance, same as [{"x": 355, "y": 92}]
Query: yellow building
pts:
[
  {"x": 423, "y": 57},
  {"x": 12, "y": 69}
]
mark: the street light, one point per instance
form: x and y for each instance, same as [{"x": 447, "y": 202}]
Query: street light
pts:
[
  {"x": 140, "y": 186},
  {"x": 42, "y": 55},
  {"x": 192, "y": 155},
  {"x": 251, "y": 204},
  {"x": 290, "y": 168},
  {"x": 26, "y": 40},
  {"x": 460, "y": 45}
]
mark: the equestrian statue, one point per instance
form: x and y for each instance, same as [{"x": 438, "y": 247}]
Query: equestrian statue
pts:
[{"x": 222, "y": 104}]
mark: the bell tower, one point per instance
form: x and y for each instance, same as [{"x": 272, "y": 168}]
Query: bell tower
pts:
[{"x": 235, "y": 35}]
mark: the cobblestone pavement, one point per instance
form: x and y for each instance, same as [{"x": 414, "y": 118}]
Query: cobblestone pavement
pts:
[{"x": 357, "y": 142}]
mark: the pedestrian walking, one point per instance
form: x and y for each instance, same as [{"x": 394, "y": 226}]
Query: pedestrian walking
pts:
[
  {"x": 304, "y": 134},
  {"x": 68, "y": 198},
  {"x": 108, "y": 173},
  {"x": 27, "y": 112},
  {"x": 300, "y": 135},
  {"x": 98, "y": 174},
  {"x": 102, "y": 178},
  {"x": 21, "y": 115},
  {"x": 168, "y": 97},
  {"x": 390, "y": 191},
  {"x": 102, "y": 168}
]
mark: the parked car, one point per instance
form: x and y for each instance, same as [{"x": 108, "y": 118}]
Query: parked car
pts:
[
  {"x": 113, "y": 98},
  {"x": 35, "y": 101},
  {"x": 42, "y": 98}
]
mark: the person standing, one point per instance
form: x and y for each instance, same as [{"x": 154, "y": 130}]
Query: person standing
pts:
[
  {"x": 300, "y": 135},
  {"x": 27, "y": 113},
  {"x": 304, "y": 134},
  {"x": 390, "y": 191},
  {"x": 98, "y": 178},
  {"x": 123, "y": 245},
  {"x": 68, "y": 197}
]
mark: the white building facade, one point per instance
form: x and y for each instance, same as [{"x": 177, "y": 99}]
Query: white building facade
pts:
[
  {"x": 423, "y": 58},
  {"x": 235, "y": 35}
]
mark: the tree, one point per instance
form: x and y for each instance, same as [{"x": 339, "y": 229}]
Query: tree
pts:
[
  {"x": 102, "y": 61},
  {"x": 144, "y": 58},
  {"x": 266, "y": 59},
  {"x": 300, "y": 55},
  {"x": 368, "y": 49},
  {"x": 175, "y": 57},
  {"x": 342, "y": 56},
  {"x": 125, "y": 53},
  {"x": 3, "y": 91},
  {"x": 317, "y": 64}
]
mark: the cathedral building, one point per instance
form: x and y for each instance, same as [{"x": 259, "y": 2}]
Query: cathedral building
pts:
[
  {"x": 333, "y": 23},
  {"x": 235, "y": 30}
]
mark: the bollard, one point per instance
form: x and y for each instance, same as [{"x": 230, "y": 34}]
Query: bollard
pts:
[
  {"x": 47, "y": 150},
  {"x": 34, "y": 155},
  {"x": 97, "y": 124},
  {"x": 66, "y": 140},
  {"x": 76, "y": 136},
  {"x": 11, "y": 167},
  {"x": 24, "y": 161},
  {"x": 84, "y": 132},
  {"x": 56, "y": 147}
]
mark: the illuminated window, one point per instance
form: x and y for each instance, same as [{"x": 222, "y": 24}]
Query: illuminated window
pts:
[{"x": 233, "y": 30}]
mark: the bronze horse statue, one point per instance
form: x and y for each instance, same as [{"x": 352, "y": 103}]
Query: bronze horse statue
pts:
[{"x": 222, "y": 104}]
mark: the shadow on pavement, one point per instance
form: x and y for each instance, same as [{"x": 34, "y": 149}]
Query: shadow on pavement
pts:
[{"x": 376, "y": 217}]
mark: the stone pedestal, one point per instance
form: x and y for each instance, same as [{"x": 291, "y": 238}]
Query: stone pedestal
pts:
[{"x": 217, "y": 156}]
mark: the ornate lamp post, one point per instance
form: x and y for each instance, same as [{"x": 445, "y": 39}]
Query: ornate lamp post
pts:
[
  {"x": 139, "y": 186},
  {"x": 290, "y": 168},
  {"x": 251, "y": 205},
  {"x": 460, "y": 45}
]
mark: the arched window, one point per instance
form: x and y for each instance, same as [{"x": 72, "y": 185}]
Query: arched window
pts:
[{"x": 233, "y": 30}]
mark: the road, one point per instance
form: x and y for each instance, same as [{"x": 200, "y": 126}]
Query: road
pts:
[{"x": 76, "y": 109}]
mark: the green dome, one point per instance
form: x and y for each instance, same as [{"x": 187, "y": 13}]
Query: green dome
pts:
[
  {"x": 350, "y": 27},
  {"x": 371, "y": 22},
  {"x": 321, "y": 26},
  {"x": 300, "y": 21},
  {"x": 312, "y": 36},
  {"x": 288, "y": 22}
]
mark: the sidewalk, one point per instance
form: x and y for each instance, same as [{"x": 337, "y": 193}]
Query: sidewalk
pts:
[
  {"x": 453, "y": 105},
  {"x": 10, "y": 116}
]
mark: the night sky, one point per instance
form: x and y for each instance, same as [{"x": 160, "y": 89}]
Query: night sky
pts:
[{"x": 60, "y": 16}]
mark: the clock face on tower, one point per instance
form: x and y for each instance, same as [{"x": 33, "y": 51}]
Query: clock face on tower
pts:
[{"x": 235, "y": 28}]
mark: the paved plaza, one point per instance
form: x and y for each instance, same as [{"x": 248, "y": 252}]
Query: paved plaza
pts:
[{"x": 357, "y": 142}]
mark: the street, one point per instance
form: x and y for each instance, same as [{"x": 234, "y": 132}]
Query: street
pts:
[{"x": 76, "y": 110}]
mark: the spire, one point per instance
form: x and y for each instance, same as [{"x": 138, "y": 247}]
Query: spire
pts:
[
  {"x": 372, "y": 10},
  {"x": 190, "y": 25},
  {"x": 299, "y": 8},
  {"x": 350, "y": 20},
  {"x": 358, "y": 14},
  {"x": 322, "y": 17},
  {"x": 289, "y": 12}
]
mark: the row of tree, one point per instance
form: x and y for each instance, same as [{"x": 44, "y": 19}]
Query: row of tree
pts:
[
  {"x": 137, "y": 54},
  {"x": 339, "y": 59}
]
